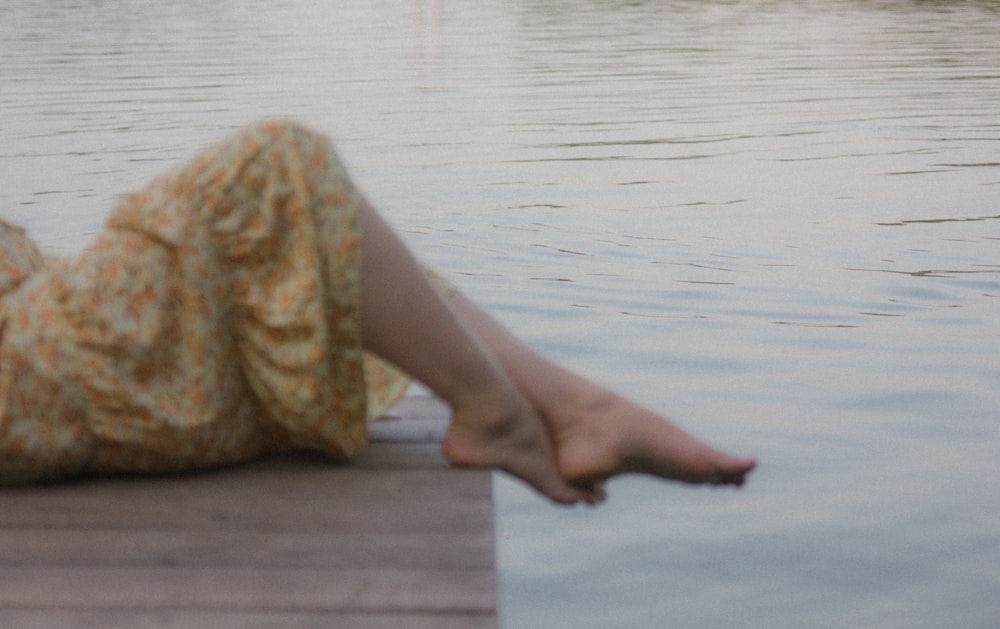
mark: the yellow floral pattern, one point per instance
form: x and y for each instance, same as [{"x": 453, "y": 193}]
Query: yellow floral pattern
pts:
[{"x": 215, "y": 318}]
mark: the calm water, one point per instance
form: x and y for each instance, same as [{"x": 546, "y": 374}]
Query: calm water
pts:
[{"x": 777, "y": 221}]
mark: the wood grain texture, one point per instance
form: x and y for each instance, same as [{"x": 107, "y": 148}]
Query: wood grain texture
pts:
[{"x": 395, "y": 539}]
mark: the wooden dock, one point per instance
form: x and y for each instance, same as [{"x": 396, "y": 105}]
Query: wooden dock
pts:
[{"x": 396, "y": 539}]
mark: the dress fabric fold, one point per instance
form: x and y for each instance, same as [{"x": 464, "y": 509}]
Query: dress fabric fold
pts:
[{"x": 215, "y": 318}]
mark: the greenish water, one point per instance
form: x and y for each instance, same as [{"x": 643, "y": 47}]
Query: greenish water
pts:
[{"x": 776, "y": 221}]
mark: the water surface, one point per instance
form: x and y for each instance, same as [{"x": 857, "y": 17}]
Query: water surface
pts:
[{"x": 777, "y": 221}]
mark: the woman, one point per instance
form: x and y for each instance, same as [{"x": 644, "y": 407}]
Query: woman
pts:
[{"x": 252, "y": 301}]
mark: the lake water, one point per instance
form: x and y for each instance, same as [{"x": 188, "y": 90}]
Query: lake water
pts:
[{"x": 777, "y": 221}]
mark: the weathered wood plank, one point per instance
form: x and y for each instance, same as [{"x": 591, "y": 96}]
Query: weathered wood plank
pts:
[
  {"x": 396, "y": 539},
  {"x": 246, "y": 549},
  {"x": 271, "y": 495},
  {"x": 404, "y": 455},
  {"x": 344, "y": 590},
  {"x": 200, "y": 619}
]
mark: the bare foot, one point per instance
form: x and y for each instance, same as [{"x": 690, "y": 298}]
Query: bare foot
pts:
[
  {"x": 507, "y": 434},
  {"x": 599, "y": 434}
]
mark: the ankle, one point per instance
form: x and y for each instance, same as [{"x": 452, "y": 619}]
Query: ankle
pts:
[
  {"x": 490, "y": 410},
  {"x": 553, "y": 389}
]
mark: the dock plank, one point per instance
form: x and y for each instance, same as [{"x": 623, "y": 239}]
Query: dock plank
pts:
[
  {"x": 244, "y": 549},
  {"x": 397, "y": 538},
  {"x": 101, "y": 619},
  {"x": 345, "y": 590}
]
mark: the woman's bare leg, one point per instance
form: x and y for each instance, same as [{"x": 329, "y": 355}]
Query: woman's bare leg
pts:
[
  {"x": 405, "y": 320},
  {"x": 598, "y": 434},
  {"x": 514, "y": 409}
]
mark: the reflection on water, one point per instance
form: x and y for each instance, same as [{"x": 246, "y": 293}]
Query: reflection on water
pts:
[{"x": 775, "y": 219}]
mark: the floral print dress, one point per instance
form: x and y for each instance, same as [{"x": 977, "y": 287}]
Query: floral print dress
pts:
[{"x": 216, "y": 318}]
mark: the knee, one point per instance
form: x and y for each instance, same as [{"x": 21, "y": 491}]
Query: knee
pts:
[
  {"x": 287, "y": 133},
  {"x": 286, "y": 148}
]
